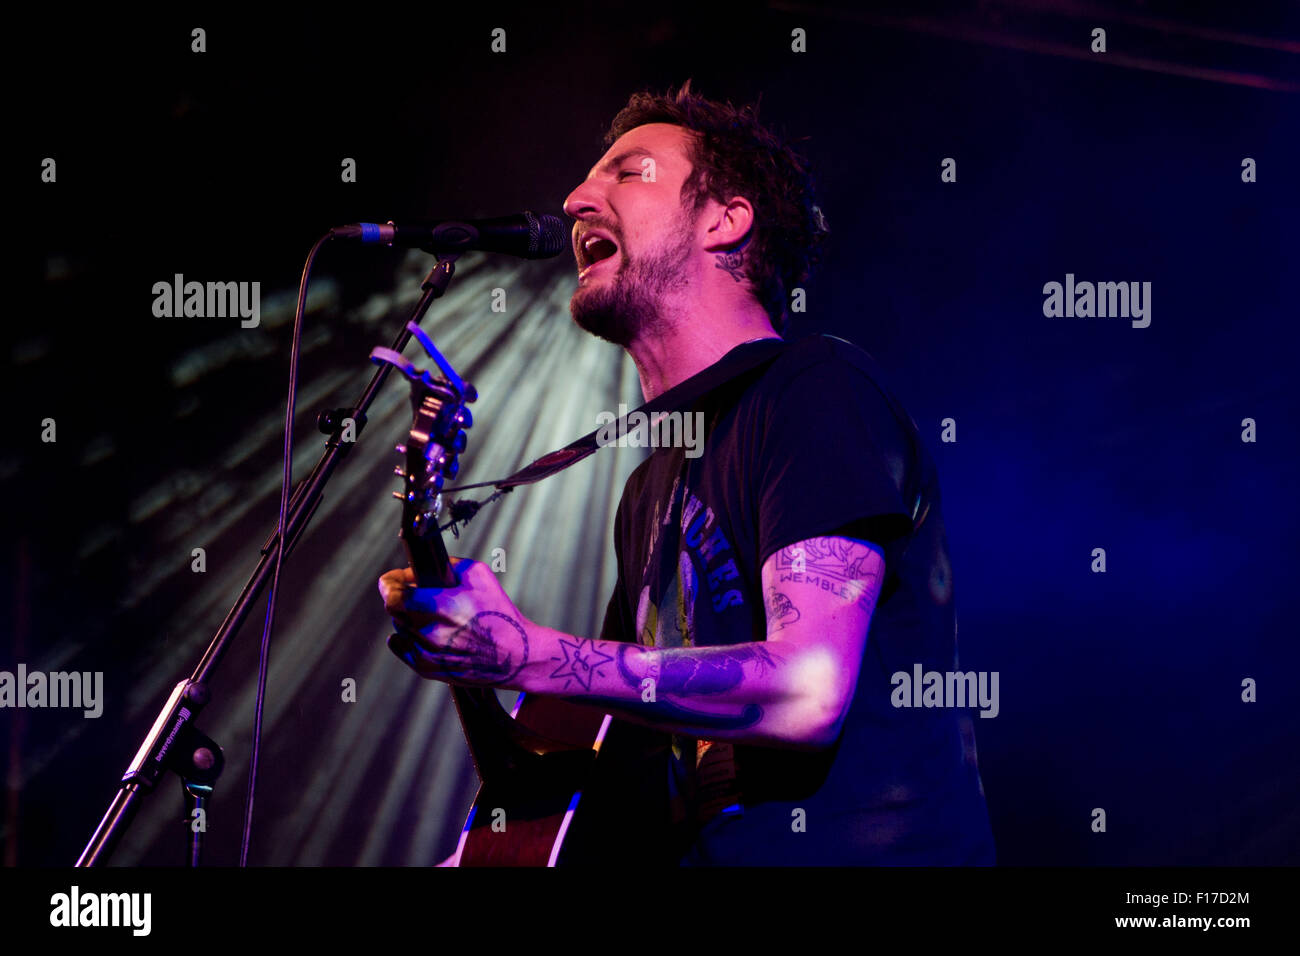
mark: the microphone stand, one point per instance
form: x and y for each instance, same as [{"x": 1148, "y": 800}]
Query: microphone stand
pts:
[{"x": 174, "y": 743}]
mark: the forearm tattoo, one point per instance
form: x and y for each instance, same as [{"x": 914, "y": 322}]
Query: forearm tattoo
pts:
[
  {"x": 837, "y": 565},
  {"x": 682, "y": 673},
  {"x": 581, "y": 661},
  {"x": 695, "y": 671}
]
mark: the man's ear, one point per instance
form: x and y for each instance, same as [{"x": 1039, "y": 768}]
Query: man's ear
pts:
[{"x": 728, "y": 226}]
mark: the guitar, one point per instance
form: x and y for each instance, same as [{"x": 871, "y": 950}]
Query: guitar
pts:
[{"x": 533, "y": 763}]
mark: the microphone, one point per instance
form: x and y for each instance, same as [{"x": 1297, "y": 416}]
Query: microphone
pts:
[{"x": 524, "y": 234}]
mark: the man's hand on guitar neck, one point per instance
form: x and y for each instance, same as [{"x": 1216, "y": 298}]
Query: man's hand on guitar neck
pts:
[
  {"x": 469, "y": 634},
  {"x": 790, "y": 690}
]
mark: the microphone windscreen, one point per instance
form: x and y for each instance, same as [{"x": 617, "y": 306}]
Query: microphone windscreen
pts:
[{"x": 551, "y": 237}]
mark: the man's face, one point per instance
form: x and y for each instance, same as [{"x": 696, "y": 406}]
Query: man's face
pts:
[{"x": 633, "y": 241}]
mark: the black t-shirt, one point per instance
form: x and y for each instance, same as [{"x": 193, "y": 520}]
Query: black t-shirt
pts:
[{"x": 811, "y": 445}]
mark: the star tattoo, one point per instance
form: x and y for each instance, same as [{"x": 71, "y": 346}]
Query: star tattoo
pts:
[{"x": 581, "y": 662}]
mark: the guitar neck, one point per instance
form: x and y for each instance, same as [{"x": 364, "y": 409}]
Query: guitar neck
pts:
[
  {"x": 428, "y": 558},
  {"x": 482, "y": 718}
]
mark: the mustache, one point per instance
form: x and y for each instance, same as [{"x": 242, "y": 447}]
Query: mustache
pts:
[{"x": 609, "y": 228}]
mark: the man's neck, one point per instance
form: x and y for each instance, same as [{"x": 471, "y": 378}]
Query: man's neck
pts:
[{"x": 689, "y": 348}]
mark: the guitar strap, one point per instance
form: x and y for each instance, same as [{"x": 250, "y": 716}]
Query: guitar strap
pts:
[{"x": 744, "y": 358}]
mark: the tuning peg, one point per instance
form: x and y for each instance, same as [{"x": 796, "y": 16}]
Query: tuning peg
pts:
[
  {"x": 463, "y": 418},
  {"x": 459, "y": 442},
  {"x": 452, "y": 468},
  {"x": 399, "y": 471},
  {"x": 401, "y": 449}
]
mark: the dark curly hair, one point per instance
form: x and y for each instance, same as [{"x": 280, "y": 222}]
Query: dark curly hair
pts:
[{"x": 734, "y": 155}]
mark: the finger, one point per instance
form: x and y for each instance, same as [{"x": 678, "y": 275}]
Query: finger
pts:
[
  {"x": 429, "y": 601},
  {"x": 401, "y": 644},
  {"x": 405, "y": 627},
  {"x": 461, "y": 567},
  {"x": 392, "y": 582},
  {"x": 425, "y": 658},
  {"x": 394, "y": 601}
]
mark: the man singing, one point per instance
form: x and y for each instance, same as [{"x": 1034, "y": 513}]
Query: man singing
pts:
[{"x": 770, "y": 587}]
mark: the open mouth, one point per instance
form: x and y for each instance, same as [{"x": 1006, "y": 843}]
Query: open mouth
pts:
[{"x": 594, "y": 248}]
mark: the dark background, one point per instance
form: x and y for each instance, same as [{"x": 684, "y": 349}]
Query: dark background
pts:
[{"x": 1119, "y": 690}]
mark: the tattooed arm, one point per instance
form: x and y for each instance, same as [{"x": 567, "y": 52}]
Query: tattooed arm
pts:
[{"x": 791, "y": 690}]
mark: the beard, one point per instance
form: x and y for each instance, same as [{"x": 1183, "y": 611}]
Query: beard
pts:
[{"x": 628, "y": 305}]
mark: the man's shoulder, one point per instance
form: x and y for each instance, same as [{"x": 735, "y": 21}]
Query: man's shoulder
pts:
[
  {"x": 832, "y": 369},
  {"x": 826, "y": 394},
  {"x": 827, "y": 364},
  {"x": 823, "y": 347}
]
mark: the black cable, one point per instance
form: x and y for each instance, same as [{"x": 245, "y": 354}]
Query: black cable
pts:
[{"x": 286, "y": 482}]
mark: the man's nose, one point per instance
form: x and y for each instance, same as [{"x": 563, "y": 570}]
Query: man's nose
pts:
[{"x": 583, "y": 201}]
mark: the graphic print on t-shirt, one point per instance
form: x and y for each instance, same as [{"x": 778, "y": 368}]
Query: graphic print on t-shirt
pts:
[
  {"x": 666, "y": 614},
  {"x": 680, "y": 554}
]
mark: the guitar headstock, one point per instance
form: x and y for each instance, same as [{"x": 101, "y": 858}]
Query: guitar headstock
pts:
[
  {"x": 431, "y": 452},
  {"x": 430, "y": 455}
]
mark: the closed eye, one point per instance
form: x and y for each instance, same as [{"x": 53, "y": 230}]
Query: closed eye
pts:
[{"x": 630, "y": 172}]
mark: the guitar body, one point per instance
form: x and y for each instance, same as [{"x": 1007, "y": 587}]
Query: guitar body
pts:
[
  {"x": 523, "y": 812},
  {"x": 596, "y": 798}
]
